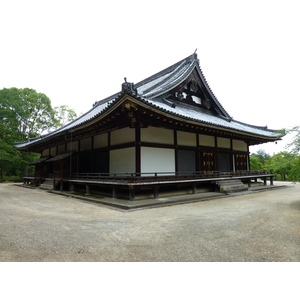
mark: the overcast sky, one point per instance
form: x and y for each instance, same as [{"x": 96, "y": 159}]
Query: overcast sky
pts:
[{"x": 78, "y": 52}]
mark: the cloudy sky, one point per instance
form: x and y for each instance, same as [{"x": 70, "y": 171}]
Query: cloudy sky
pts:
[{"x": 78, "y": 52}]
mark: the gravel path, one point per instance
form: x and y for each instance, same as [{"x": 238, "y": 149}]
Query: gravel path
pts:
[{"x": 39, "y": 226}]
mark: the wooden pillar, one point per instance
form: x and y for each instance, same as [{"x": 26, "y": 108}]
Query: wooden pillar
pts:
[
  {"x": 248, "y": 157},
  {"x": 114, "y": 192},
  {"x": 156, "y": 191},
  {"x": 131, "y": 193},
  {"x": 176, "y": 150},
  {"x": 61, "y": 185},
  {"x": 265, "y": 181},
  {"x": 249, "y": 183},
  {"x": 194, "y": 188},
  {"x": 72, "y": 188},
  {"x": 232, "y": 157},
  {"x": 271, "y": 180},
  {"x": 138, "y": 149},
  {"x": 87, "y": 190}
]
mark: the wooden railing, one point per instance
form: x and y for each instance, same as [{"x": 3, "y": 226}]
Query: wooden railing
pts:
[{"x": 151, "y": 176}]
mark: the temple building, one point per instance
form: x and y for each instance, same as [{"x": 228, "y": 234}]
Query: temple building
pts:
[{"x": 166, "y": 133}]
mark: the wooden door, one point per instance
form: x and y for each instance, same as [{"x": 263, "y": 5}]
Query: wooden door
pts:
[
  {"x": 101, "y": 163},
  {"x": 207, "y": 161},
  {"x": 224, "y": 162},
  {"x": 240, "y": 162},
  {"x": 186, "y": 161}
]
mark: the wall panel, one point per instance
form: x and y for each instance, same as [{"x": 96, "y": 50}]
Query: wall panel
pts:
[
  {"x": 53, "y": 151},
  {"x": 46, "y": 152},
  {"x": 157, "y": 160},
  {"x": 61, "y": 149},
  {"x": 157, "y": 135},
  {"x": 100, "y": 140},
  {"x": 122, "y": 160},
  {"x": 122, "y": 136},
  {"x": 86, "y": 144},
  {"x": 73, "y": 147},
  {"x": 223, "y": 143},
  {"x": 186, "y": 138},
  {"x": 239, "y": 145},
  {"x": 206, "y": 140}
]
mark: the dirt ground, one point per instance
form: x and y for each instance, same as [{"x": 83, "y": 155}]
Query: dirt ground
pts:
[{"x": 38, "y": 226}]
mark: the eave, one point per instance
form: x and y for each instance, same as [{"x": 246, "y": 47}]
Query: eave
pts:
[
  {"x": 194, "y": 125},
  {"x": 116, "y": 115}
]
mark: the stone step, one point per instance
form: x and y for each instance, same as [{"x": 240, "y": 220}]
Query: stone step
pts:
[
  {"x": 231, "y": 186},
  {"x": 47, "y": 184},
  {"x": 228, "y": 182}
]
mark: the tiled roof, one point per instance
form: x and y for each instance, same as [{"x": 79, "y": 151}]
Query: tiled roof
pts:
[
  {"x": 160, "y": 83},
  {"x": 149, "y": 90},
  {"x": 199, "y": 115},
  {"x": 167, "y": 79}
]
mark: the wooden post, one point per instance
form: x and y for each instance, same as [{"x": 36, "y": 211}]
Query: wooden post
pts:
[
  {"x": 156, "y": 191},
  {"x": 131, "y": 193},
  {"x": 87, "y": 190},
  {"x": 265, "y": 181},
  {"x": 271, "y": 180},
  {"x": 194, "y": 188},
  {"x": 114, "y": 192}
]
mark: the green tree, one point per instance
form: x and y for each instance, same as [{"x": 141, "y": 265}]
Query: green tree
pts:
[
  {"x": 293, "y": 159},
  {"x": 282, "y": 164},
  {"x": 295, "y": 170},
  {"x": 24, "y": 114},
  {"x": 262, "y": 155},
  {"x": 36, "y": 114},
  {"x": 295, "y": 144},
  {"x": 259, "y": 160},
  {"x": 255, "y": 163},
  {"x": 63, "y": 115}
]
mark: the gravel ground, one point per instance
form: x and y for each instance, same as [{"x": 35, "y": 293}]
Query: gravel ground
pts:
[{"x": 39, "y": 226}]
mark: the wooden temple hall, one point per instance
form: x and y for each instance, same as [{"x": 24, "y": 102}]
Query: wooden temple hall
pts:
[{"x": 167, "y": 134}]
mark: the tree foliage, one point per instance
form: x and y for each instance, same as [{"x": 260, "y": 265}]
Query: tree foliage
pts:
[
  {"x": 24, "y": 114},
  {"x": 63, "y": 115},
  {"x": 282, "y": 164},
  {"x": 286, "y": 164},
  {"x": 295, "y": 144},
  {"x": 259, "y": 159}
]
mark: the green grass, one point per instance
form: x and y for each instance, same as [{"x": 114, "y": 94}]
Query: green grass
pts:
[{"x": 11, "y": 179}]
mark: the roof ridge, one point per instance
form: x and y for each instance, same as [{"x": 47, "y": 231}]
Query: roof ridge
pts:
[
  {"x": 212, "y": 93},
  {"x": 157, "y": 93},
  {"x": 170, "y": 74},
  {"x": 164, "y": 71}
]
